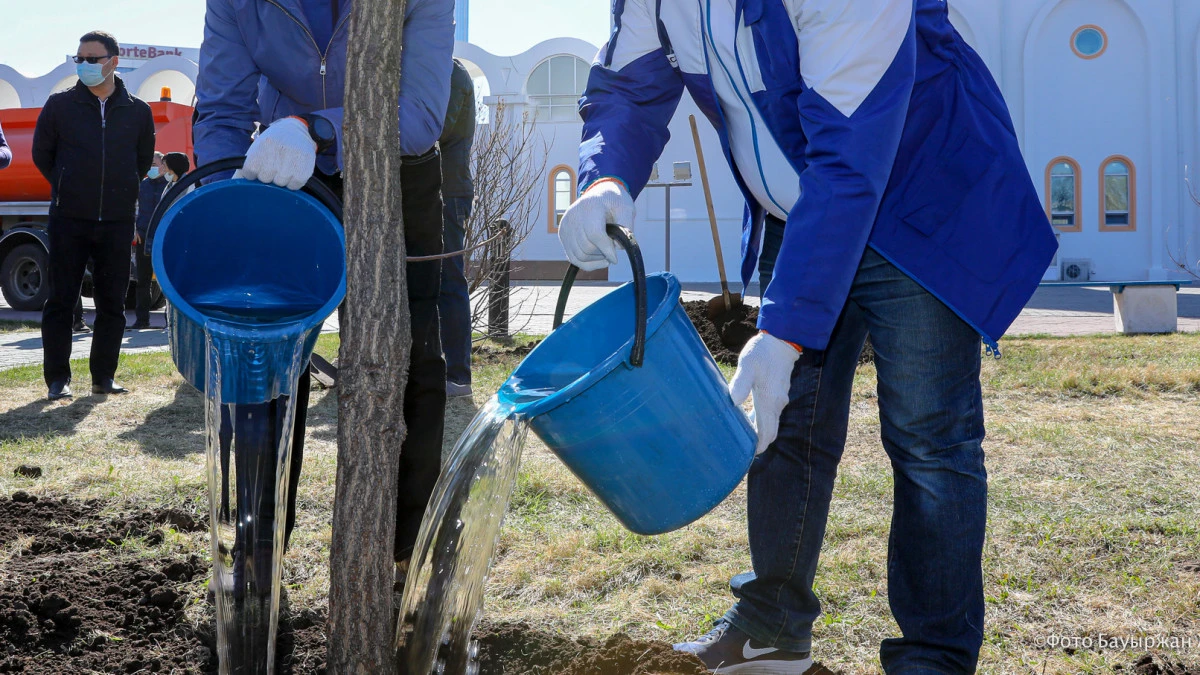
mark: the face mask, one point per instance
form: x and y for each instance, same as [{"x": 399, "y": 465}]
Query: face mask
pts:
[
  {"x": 90, "y": 74},
  {"x": 152, "y": 173},
  {"x": 170, "y": 177}
]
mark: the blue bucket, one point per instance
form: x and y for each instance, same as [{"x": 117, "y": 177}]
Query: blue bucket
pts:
[
  {"x": 629, "y": 398},
  {"x": 264, "y": 266}
]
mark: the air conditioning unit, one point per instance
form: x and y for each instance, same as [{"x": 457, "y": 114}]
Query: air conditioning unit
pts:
[
  {"x": 1076, "y": 270},
  {"x": 1057, "y": 240}
]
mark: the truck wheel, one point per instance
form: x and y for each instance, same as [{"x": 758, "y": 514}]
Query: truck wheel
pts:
[
  {"x": 24, "y": 279},
  {"x": 157, "y": 299}
]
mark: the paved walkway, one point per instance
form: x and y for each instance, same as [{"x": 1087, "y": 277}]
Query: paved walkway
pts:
[{"x": 1051, "y": 311}]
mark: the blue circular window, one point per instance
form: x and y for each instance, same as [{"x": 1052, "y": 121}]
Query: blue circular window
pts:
[{"x": 1089, "y": 42}]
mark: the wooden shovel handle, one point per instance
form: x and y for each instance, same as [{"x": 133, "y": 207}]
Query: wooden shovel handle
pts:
[{"x": 712, "y": 214}]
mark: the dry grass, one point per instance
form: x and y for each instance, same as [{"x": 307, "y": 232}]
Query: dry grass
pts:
[
  {"x": 18, "y": 326},
  {"x": 1094, "y": 453}
]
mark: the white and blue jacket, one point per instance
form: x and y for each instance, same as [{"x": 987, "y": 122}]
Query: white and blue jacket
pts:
[
  {"x": 890, "y": 133},
  {"x": 259, "y": 62}
]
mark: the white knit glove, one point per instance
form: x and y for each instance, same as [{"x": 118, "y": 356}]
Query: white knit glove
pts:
[
  {"x": 583, "y": 232},
  {"x": 284, "y": 154},
  {"x": 764, "y": 369}
]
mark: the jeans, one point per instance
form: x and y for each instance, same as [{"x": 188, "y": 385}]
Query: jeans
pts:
[
  {"x": 931, "y": 415},
  {"x": 454, "y": 302},
  {"x": 72, "y": 242},
  {"x": 771, "y": 242}
]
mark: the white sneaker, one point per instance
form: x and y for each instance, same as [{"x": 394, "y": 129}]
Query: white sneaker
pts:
[{"x": 454, "y": 389}]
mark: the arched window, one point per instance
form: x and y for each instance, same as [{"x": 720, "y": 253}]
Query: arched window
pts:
[
  {"x": 554, "y": 88},
  {"x": 561, "y": 194},
  {"x": 1063, "y": 188},
  {"x": 1118, "y": 195}
]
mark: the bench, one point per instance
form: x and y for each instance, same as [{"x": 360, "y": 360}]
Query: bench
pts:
[{"x": 1140, "y": 306}]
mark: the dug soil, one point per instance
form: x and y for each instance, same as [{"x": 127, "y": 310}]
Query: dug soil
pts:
[
  {"x": 728, "y": 333},
  {"x": 81, "y": 592},
  {"x": 731, "y": 330}
]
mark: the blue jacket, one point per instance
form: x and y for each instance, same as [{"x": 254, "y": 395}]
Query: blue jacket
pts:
[
  {"x": 259, "y": 62},
  {"x": 5, "y": 151},
  {"x": 898, "y": 135}
]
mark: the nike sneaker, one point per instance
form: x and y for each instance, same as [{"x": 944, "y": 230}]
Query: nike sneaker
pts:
[{"x": 727, "y": 650}]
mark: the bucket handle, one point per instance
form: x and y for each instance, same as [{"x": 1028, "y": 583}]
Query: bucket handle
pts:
[
  {"x": 625, "y": 238},
  {"x": 314, "y": 186}
]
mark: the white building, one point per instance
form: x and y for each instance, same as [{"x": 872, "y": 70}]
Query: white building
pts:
[{"x": 1104, "y": 94}]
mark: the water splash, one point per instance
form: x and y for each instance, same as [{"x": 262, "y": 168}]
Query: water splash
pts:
[
  {"x": 444, "y": 591},
  {"x": 249, "y": 448}
]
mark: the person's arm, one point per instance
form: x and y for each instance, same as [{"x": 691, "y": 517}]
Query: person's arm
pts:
[
  {"x": 424, "y": 77},
  {"x": 145, "y": 145},
  {"x": 45, "y": 141},
  {"x": 858, "y": 62},
  {"x": 226, "y": 88},
  {"x": 461, "y": 94},
  {"x": 631, "y": 95},
  {"x": 5, "y": 151}
]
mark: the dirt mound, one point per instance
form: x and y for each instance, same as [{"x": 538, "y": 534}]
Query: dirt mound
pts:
[
  {"x": 1152, "y": 664},
  {"x": 726, "y": 335},
  {"x": 518, "y": 649},
  {"x": 73, "y": 599},
  {"x": 59, "y": 525}
]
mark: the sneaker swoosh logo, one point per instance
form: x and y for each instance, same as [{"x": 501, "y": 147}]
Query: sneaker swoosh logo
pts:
[{"x": 749, "y": 652}]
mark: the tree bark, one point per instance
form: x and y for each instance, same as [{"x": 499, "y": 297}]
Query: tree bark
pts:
[{"x": 375, "y": 349}]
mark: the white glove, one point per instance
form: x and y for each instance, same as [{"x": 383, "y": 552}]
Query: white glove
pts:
[
  {"x": 583, "y": 232},
  {"x": 284, "y": 154},
  {"x": 764, "y": 368}
]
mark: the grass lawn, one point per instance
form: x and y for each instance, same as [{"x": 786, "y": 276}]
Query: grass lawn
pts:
[
  {"x": 13, "y": 326},
  {"x": 1094, "y": 459}
]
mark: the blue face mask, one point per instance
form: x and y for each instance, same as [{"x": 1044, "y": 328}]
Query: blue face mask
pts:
[
  {"x": 90, "y": 74},
  {"x": 152, "y": 173}
]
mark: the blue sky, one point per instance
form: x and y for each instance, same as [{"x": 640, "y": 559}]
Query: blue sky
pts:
[{"x": 40, "y": 33}]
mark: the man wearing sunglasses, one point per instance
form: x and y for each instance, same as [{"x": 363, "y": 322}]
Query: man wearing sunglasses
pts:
[{"x": 93, "y": 142}]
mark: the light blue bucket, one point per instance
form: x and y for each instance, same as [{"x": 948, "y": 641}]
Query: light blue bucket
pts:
[
  {"x": 262, "y": 266},
  {"x": 630, "y": 399}
]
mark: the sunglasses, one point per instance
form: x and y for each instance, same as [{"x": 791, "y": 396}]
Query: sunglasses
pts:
[{"x": 92, "y": 59}]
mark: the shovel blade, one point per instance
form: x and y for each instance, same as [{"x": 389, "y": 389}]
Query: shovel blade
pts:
[{"x": 717, "y": 307}]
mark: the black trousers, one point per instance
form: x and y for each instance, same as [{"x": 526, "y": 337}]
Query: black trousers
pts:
[
  {"x": 144, "y": 273},
  {"x": 72, "y": 242},
  {"x": 424, "y": 395}
]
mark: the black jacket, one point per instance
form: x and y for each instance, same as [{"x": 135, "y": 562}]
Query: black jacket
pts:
[
  {"x": 94, "y": 162},
  {"x": 458, "y": 133},
  {"x": 150, "y": 191}
]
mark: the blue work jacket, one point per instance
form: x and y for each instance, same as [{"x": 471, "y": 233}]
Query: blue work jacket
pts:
[
  {"x": 899, "y": 137},
  {"x": 259, "y": 62}
]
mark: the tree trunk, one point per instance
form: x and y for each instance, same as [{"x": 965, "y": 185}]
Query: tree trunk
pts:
[{"x": 376, "y": 340}]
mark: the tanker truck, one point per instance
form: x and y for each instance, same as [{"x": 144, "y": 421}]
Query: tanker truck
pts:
[{"x": 25, "y": 205}]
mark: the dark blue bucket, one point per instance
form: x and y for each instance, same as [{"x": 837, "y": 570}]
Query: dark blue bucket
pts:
[
  {"x": 264, "y": 265},
  {"x": 643, "y": 419}
]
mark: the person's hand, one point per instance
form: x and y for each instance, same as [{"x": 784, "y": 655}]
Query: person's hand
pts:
[
  {"x": 764, "y": 369},
  {"x": 583, "y": 230},
  {"x": 284, "y": 154}
]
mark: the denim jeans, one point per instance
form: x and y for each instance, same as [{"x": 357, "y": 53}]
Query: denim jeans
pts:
[
  {"x": 931, "y": 415},
  {"x": 772, "y": 241},
  {"x": 454, "y": 302}
]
